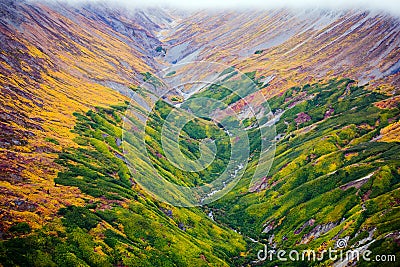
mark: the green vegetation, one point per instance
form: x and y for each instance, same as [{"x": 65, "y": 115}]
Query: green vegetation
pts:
[
  {"x": 160, "y": 49},
  {"x": 227, "y": 90},
  {"x": 134, "y": 87},
  {"x": 177, "y": 99},
  {"x": 21, "y": 227},
  {"x": 329, "y": 180},
  {"x": 52, "y": 140},
  {"x": 169, "y": 74},
  {"x": 151, "y": 79},
  {"x": 192, "y": 134},
  {"x": 315, "y": 170},
  {"x": 120, "y": 224}
]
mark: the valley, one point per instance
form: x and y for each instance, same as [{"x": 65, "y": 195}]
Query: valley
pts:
[{"x": 295, "y": 140}]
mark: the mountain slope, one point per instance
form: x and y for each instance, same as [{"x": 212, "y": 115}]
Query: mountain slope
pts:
[
  {"x": 52, "y": 66},
  {"x": 57, "y": 61},
  {"x": 290, "y": 47},
  {"x": 332, "y": 177},
  {"x": 67, "y": 74}
]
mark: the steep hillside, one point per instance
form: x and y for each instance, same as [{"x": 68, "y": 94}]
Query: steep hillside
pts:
[
  {"x": 58, "y": 64},
  {"x": 333, "y": 177},
  {"x": 292, "y": 47},
  {"x": 53, "y": 64},
  {"x": 118, "y": 223}
]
